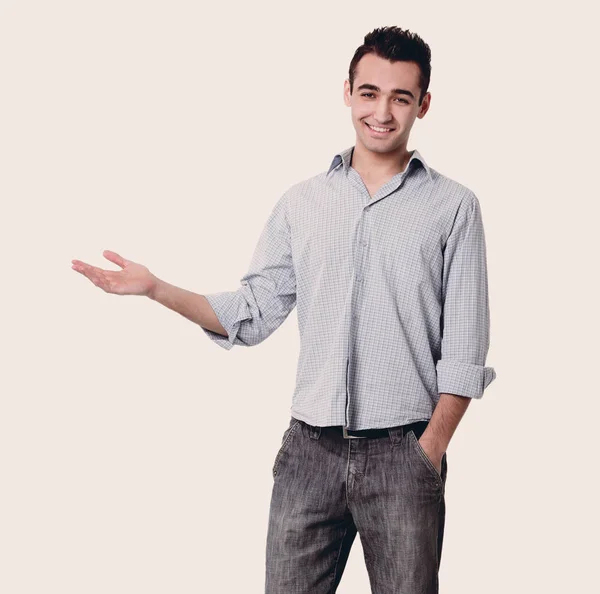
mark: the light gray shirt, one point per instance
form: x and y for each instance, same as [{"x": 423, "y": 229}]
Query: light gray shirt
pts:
[{"x": 391, "y": 290}]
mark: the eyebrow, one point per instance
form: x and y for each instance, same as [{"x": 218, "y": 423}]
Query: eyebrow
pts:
[{"x": 396, "y": 91}]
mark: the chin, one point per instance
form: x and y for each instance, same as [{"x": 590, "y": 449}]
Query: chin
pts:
[{"x": 379, "y": 147}]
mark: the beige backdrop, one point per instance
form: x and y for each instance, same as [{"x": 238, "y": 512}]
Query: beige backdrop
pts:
[{"x": 136, "y": 455}]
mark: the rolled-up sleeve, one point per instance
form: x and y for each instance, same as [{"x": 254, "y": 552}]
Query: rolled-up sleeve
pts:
[
  {"x": 267, "y": 293},
  {"x": 461, "y": 370}
]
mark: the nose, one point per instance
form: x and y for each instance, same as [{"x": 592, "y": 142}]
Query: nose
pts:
[{"x": 382, "y": 111}]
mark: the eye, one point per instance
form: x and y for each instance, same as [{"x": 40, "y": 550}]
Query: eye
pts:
[{"x": 369, "y": 95}]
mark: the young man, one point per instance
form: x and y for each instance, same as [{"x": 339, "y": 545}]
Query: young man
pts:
[{"x": 385, "y": 258}]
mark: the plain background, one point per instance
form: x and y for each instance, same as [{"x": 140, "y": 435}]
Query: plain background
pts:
[{"x": 135, "y": 454}]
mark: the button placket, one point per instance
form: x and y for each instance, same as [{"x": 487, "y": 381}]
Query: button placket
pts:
[
  {"x": 362, "y": 242},
  {"x": 358, "y": 254}
]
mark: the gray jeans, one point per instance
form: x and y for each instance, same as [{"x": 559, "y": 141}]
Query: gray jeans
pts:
[{"x": 327, "y": 487}]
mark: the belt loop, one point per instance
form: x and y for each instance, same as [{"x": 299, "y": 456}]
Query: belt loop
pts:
[
  {"x": 396, "y": 434},
  {"x": 314, "y": 431}
]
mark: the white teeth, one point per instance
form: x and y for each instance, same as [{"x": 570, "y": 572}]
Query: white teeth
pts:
[{"x": 379, "y": 129}]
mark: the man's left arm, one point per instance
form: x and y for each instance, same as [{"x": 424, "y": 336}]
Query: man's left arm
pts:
[{"x": 461, "y": 371}]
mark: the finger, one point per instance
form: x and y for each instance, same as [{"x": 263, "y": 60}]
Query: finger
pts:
[
  {"x": 85, "y": 268},
  {"x": 114, "y": 257},
  {"x": 91, "y": 275}
]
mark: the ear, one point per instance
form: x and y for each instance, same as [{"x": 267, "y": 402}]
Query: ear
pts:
[
  {"x": 347, "y": 92},
  {"x": 425, "y": 105}
]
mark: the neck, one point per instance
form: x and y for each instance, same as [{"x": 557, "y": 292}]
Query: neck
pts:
[{"x": 375, "y": 165}]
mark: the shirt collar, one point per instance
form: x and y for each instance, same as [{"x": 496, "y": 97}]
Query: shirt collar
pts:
[{"x": 345, "y": 157}]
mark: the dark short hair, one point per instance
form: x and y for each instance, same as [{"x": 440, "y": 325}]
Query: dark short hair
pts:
[{"x": 396, "y": 45}]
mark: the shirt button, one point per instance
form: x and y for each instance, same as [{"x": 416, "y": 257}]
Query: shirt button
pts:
[{"x": 365, "y": 243}]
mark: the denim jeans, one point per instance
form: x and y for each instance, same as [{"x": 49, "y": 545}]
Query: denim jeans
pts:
[{"x": 327, "y": 488}]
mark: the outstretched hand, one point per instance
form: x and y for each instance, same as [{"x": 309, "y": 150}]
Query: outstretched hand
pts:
[{"x": 133, "y": 279}]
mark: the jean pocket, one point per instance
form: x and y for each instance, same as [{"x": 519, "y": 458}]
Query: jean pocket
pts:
[
  {"x": 287, "y": 436},
  {"x": 423, "y": 455}
]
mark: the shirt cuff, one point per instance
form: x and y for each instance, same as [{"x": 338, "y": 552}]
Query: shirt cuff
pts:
[
  {"x": 463, "y": 379},
  {"x": 231, "y": 309}
]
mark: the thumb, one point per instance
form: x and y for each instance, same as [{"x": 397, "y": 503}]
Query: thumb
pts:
[{"x": 114, "y": 257}]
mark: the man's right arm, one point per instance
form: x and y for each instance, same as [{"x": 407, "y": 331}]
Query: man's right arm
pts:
[
  {"x": 245, "y": 316},
  {"x": 190, "y": 305}
]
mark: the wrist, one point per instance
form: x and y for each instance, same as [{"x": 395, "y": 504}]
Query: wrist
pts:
[
  {"x": 433, "y": 444},
  {"x": 155, "y": 286}
]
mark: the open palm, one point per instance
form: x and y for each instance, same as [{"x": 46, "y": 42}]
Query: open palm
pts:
[{"x": 133, "y": 279}]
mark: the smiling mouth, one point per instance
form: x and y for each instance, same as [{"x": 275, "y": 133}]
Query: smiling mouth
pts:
[{"x": 379, "y": 129}]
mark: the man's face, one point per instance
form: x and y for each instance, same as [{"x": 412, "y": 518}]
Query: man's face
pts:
[{"x": 375, "y": 102}]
